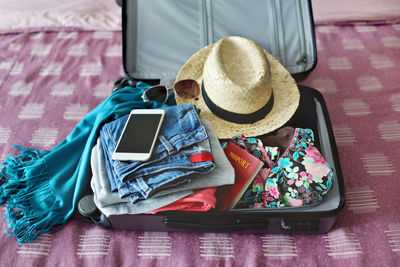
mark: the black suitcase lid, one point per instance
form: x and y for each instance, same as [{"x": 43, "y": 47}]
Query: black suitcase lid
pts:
[{"x": 160, "y": 35}]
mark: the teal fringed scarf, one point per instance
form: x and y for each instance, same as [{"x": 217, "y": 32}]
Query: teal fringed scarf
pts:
[{"x": 42, "y": 188}]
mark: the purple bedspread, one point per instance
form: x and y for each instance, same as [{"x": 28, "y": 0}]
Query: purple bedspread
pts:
[{"x": 50, "y": 80}]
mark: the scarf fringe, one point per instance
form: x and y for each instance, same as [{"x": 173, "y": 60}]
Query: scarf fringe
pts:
[{"x": 26, "y": 195}]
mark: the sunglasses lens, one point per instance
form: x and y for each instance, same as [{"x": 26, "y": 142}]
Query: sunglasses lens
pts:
[
  {"x": 157, "y": 93},
  {"x": 187, "y": 88}
]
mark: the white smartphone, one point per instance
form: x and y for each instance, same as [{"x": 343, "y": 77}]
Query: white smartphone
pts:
[{"x": 139, "y": 135}]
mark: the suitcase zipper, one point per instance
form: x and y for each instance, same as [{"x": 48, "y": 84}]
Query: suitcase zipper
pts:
[{"x": 301, "y": 60}]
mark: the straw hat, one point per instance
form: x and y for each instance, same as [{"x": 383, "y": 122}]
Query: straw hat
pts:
[{"x": 244, "y": 89}]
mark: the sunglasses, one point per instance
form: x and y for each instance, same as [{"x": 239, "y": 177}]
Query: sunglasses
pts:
[{"x": 183, "y": 88}]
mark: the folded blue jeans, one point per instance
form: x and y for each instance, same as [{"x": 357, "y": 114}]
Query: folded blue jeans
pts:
[
  {"x": 170, "y": 172},
  {"x": 180, "y": 139},
  {"x": 109, "y": 202}
]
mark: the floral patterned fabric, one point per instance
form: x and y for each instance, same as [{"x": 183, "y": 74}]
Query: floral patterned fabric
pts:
[{"x": 299, "y": 176}]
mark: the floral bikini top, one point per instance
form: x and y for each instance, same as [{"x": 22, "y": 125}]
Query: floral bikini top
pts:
[{"x": 299, "y": 176}]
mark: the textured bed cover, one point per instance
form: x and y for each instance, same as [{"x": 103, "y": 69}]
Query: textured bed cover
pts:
[{"x": 49, "y": 80}]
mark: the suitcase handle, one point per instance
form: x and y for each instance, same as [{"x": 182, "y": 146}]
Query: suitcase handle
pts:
[{"x": 249, "y": 226}]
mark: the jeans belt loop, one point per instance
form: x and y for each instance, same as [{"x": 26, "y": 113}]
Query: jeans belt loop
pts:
[{"x": 167, "y": 144}]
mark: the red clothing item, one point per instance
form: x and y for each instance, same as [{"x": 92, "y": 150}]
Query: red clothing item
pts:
[{"x": 201, "y": 200}]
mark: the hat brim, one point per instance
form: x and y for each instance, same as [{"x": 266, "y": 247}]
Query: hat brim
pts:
[{"x": 286, "y": 98}]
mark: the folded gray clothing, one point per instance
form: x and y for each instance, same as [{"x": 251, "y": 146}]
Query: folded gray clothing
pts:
[
  {"x": 223, "y": 173},
  {"x": 109, "y": 203}
]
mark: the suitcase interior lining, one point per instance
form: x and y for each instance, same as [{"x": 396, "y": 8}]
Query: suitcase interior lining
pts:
[{"x": 160, "y": 35}]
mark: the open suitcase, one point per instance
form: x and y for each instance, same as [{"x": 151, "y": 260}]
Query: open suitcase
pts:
[{"x": 159, "y": 36}]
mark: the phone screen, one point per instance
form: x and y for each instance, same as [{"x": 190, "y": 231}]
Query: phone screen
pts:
[{"x": 139, "y": 133}]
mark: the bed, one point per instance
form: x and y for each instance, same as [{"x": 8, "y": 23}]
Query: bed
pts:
[{"x": 58, "y": 62}]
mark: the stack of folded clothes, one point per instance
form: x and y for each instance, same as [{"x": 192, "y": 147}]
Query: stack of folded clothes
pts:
[{"x": 186, "y": 165}]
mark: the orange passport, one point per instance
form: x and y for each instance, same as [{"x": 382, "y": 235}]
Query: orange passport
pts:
[{"x": 246, "y": 168}]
